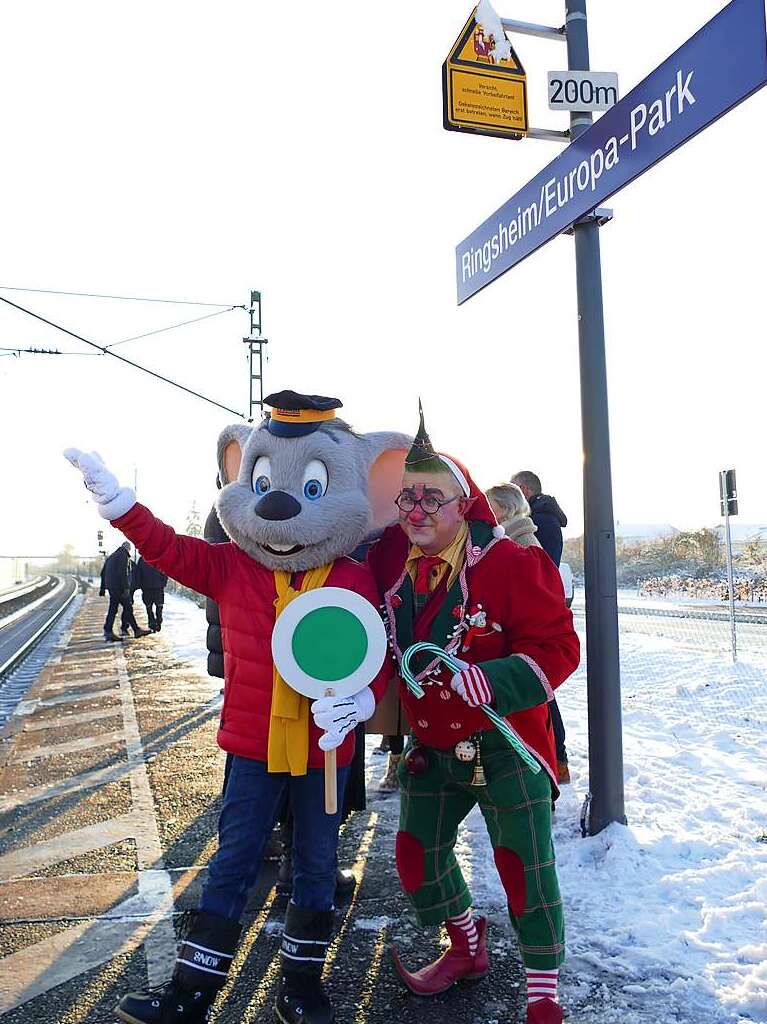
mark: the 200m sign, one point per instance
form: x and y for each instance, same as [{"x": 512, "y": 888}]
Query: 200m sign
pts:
[{"x": 582, "y": 90}]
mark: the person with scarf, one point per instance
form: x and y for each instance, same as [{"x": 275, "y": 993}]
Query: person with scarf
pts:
[
  {"x": 303, "y": 492},
  {"x": 512, "y": 511}
]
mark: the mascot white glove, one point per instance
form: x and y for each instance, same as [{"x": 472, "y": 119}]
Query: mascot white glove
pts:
[
  {"x": 113, "y": 501},
  {"x": 337, "y": 716}
]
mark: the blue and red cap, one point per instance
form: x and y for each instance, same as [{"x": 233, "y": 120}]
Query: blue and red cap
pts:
[{"x": 295, "y": 415}]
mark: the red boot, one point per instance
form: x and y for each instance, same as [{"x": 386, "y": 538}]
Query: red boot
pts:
[
  {"x": 455, "y": 964},
  {"x": 545, "y": 1011}
]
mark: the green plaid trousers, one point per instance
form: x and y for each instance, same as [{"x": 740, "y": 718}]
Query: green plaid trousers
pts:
[{"x": 516, "y": 806}]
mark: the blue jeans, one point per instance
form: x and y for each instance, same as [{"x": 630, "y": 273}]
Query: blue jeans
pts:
[{"x": 251, "y": 804}]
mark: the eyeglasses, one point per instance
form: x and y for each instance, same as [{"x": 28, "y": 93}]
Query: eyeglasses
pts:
[{"x": 429, "y": 503}]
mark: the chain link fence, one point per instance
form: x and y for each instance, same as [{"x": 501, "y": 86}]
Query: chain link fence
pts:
[{"x": 677, "y": 659}]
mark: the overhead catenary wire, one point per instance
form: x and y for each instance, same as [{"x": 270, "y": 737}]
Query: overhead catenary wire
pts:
[
  {"x": 121, "y": 298},
  {"x": 47, "y": 352},
  {"x": 172, "y": 327},
  {"x": 123, "y": 359}
]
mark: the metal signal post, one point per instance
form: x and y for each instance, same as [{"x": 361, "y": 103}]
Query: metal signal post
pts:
[
  {"x": 728, "y": 499},
  {"x": 605, "y": 802},
  {"x": 256, "y": 343}
]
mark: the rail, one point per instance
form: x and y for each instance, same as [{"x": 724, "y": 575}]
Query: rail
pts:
[
  {"x": 14, "y": 593},
  {"x": 29, "y": 643},
  {"x": 19, "y": 588}
]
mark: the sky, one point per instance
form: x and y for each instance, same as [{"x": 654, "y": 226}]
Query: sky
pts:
[{"x": 194, "y": 152}]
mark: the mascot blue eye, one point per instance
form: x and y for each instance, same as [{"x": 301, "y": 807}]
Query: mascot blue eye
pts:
[
  {"x": 315, "y": 480},
  {"x": 313, "y": 490},
  {"x": 262, "y": 475}
]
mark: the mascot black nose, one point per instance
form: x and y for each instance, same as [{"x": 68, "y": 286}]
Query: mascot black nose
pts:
[{"x": 277, "y": 505}]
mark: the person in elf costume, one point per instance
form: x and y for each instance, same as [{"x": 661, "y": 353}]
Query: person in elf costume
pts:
[
  {"x": 303, "y": 490},
  {"x": 448, "y": 576}
]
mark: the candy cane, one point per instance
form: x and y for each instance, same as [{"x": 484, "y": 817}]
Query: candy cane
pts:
[{"x": 500, "y": 723}]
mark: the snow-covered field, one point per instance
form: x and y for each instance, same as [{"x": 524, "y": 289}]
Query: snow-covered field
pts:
[{"x": 667, "y": 918}]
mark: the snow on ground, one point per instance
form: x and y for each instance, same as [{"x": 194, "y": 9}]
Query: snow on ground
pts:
[
  {"x": 185, "y": 627},
  {"x": 670, "y": 911},
  {"x": 667, "y": 918}
]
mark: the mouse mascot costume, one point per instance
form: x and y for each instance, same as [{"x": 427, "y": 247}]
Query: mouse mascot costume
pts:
[
  {"x": 306, "y": 490},
  {"x": 500, "y": 609}
]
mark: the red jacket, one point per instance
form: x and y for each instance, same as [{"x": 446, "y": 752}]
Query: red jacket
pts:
[
  {"x": 245, "y": 593},
  {"x": 527, "y": 646}
]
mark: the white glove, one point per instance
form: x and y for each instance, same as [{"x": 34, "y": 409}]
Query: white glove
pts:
[
  {"x": 337, "y": 716},
  {"x": 113, "y": 501}
]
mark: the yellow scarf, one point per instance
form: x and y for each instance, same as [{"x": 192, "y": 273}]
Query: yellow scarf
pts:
[{"x": 289, "y": 718}]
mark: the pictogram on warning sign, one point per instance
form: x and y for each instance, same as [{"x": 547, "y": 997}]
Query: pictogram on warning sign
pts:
[{"x": 484, "y": 86}]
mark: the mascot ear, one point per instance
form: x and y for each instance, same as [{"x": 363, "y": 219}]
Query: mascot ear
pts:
[
  {"x": 231, "y": 442},
  {"x": 388, "y": 452}
]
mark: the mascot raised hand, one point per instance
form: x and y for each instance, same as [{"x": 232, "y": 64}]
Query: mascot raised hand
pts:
[{"x": 305, "y": 492}]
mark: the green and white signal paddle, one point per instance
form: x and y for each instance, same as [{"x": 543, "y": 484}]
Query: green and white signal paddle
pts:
[{"x": 329, "y": 642}]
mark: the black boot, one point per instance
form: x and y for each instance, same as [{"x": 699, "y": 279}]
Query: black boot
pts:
[
  {"x": 345, "y": 883},
  {"x": 305, "y": 940},
  {"x": 345, "y": 880},
  {"x": 204, "y": 957},
  {"x": 285, "y": 873}
]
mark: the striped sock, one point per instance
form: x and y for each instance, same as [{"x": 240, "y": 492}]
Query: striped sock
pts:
[
  {"x": 466, "y": 923},
  {"x": 541, "y": 985}
]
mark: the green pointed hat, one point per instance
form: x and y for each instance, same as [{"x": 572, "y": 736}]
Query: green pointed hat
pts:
[{"x": 422, "y": 458}]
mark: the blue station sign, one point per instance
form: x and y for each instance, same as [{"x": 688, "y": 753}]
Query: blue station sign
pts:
[{"x": 716, "y": 69}]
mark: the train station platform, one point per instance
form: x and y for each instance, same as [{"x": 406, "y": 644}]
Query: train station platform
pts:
[{"x": 109, "y": 794}]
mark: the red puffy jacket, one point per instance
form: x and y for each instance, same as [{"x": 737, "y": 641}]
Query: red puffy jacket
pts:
[{"x": 245, "y": 593}]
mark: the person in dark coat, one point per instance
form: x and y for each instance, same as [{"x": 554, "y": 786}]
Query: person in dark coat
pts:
[
  {"x": 546, "y": 514},
  {"x": 151, "y": 582},
  {"x": 549, "y": 520},
  {"x": 116, "y": 580},
  {"x": 214, "y": 532},
  {"x": 126, "y": 606}
]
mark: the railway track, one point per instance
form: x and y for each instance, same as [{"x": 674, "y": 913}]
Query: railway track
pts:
[
  {"x": 15, "y": 599},
  {"x": 23, "y": 632}
]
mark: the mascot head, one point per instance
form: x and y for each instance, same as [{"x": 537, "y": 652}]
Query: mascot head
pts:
[{"x": 302, "y": 488}]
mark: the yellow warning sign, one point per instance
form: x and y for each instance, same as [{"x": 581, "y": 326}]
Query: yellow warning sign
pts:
[{"x": 483, "y": 93}]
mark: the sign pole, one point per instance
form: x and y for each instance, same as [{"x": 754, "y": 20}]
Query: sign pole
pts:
[
  {"x": 723, "y": 490},
  {"x": 605, "y": 803}
]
